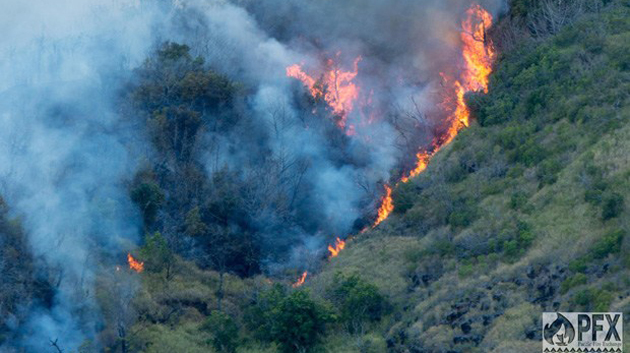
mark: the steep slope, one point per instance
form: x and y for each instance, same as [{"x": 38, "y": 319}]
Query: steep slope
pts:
[{"x": 525, "y": 212}]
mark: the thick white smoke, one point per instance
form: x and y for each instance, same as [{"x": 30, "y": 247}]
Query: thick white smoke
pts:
[{"x": 63, "y": 154}]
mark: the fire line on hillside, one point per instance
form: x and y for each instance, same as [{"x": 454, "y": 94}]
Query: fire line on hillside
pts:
[{"x": 337, "y": 89}]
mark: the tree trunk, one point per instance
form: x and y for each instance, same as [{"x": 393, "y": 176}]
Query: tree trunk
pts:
[{"x": 220, "y": 290}]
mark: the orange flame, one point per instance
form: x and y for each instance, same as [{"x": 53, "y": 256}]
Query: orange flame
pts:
[
  {"x": 135, "y": 264},
  {"x": 387, "y": 206},
  {"x": 300, "y": 280},
  {"x": 421, "y": 164},
  {"x": 478, "y": 58},
  {"x": 339, "y": 245},
  {"x": 334, "y": 85},
  {"x": 478, "y": 53}
]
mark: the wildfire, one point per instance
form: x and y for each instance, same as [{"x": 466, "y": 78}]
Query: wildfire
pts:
[
  {"x": 340, "y": 92},
  {"x": 300, "y": 280},
  {"x": 336, "y": 86},
  {"x": 339, "y": 245},
  {"x": 422, "y": 162},
  {"x": 478, "y": 57},
  {"x": 387, "y": 206},
  {"x": 135, "y": 264},
  {"x": 478, "y": 53}
]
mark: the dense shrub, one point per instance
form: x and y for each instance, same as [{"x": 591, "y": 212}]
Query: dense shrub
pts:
[
  {"x": 156, "y": 254},
  {"x": 573, "y": 281},
  {"x": 514, "y": 240},
  {"x": 291, "y": 319},
  {"x": 223, "y": 330},
  {"x": 612, "y": 206},
  {"x": 149, "y": 197},
  {"x": 357, "y": 300},
  {"x": 19, "y": 288},
  {"x": 548, "y": 170},
  {"x": 608, "y": 244},
  {"x": 592, "y": 299}
]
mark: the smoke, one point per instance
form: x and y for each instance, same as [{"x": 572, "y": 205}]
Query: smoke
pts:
[
  {"x": 66, "y": 154},
  {"x": 403, "y": 49}
]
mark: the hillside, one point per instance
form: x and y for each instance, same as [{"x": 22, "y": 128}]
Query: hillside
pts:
[
  {"x": 525, "y": 212},
  {"x": 179, "y": 195}
]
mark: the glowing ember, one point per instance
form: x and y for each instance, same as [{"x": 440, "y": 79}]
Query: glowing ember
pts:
[
  {"x": 300, "y": 280},
  {"x": 135, "y": 264},
  {"x": 339, "y": 245},
  {"x": 334, "y": 85},
  {"x": 387, "y": 206}
]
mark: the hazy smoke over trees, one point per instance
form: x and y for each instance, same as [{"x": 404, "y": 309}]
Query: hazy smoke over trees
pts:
[{"x": 247, "y": 163}]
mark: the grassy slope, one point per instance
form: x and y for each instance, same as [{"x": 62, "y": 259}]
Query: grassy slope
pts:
[
  {"x": 525, "y": 212},
  {"x": 521, "y": 214}
]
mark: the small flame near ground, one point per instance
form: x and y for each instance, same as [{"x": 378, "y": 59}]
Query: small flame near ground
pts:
[
  {"x": 300, "y": 280},
  {"x": 135, "y": 264},
  {"x": 339, "y": 245}
]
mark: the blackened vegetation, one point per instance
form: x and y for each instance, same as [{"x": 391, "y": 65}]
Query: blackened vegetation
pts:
[
  {"x": 181, "y": 101},
  {"x": 213, "y": 185}
]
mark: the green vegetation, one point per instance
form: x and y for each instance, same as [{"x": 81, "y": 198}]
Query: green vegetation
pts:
[
  {"x": 358, "y": 301},
  {"x": 527, "y": 207},
  {"x": 224, "y": 332},
  {"x": 524, "y": 212},
  {"x": 292, "y": 320}
]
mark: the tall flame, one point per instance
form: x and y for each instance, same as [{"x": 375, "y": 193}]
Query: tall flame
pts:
[
  {"x": 339, "y": 92},
  {"x": 339, "y": 245},
  {"x": 478, "y": 56},
  {"x": 387, "y": 206},
  {"x": 300, "y": 280},
  {"x": 478, "y": 53},
  {"x": 135, "y": 264},
  {"x": 336, "y": 86}
]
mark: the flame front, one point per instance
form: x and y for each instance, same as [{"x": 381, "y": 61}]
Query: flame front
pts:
[
  {"x": 300, "y": 280},
  {"x": 478, "y": 57},
  {"x": 478, "y": 53},
  {"x": 135, "y": 264},
  {"x": 340, "y": 92},
  {"x": 339, "y": 245},
  {"x": 422, "y": 162},
  {"x": 335, "y": 86},
  {"x": 387, "y": 206}
]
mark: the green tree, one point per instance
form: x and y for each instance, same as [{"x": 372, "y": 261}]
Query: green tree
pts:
[
  {"x": 293, "y": 320},
  {"x": 156, "y": 254},
  {"x": 358, "y": 301},
  {"x": 149, "y": 197},
  {"x": 223, "y": 330}
]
